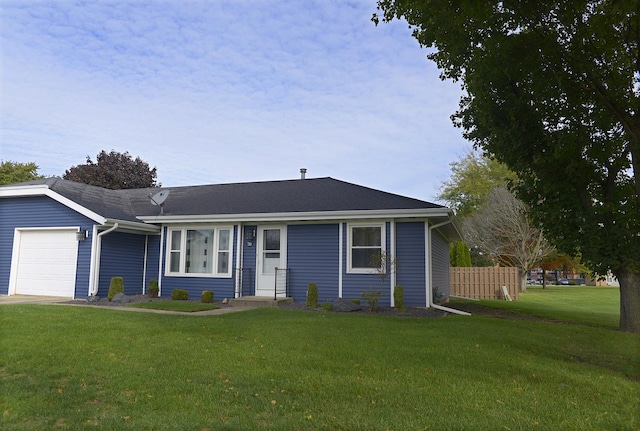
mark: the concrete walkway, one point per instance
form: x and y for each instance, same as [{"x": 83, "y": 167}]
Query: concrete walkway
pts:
[
  {"x": 56, "y": 300},
  {"x": 30, "y": 299}
]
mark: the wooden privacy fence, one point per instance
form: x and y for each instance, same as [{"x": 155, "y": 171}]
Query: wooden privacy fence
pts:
[{"x": 484, "y": 282}]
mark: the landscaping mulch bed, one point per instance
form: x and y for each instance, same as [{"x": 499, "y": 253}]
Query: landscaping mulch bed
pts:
[
  {"x": 104, "y": 302},
  {"x": 379, "y": 311},
  {"x": 468, "y": 306}
]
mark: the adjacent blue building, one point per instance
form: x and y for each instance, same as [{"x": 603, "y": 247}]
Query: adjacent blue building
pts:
[{"x": 272, "y": 239}]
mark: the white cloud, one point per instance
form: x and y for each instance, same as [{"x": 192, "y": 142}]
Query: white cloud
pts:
[{"x": 226, "y": 91}]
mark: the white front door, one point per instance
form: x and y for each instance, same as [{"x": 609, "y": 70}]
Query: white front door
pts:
[{"x": 271, "y": 254}]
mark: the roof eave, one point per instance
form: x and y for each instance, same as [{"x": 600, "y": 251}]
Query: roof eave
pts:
[
  {"x": 299, "y": 216},
  {"x": 44, "y": 190},
  {"x": 132, "y": 226}
]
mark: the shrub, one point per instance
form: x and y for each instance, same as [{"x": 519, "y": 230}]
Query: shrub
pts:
[
  {"x": 116, "y": 286},
  {"x": 207, "y": 296},
  {"x": 327, "y": 306},
  {"x": 372, "y": 297},
  {"x": 153, "y": 289},
  {"x": 437, "y": 296},
  {"x": 312, "y": 295},
  {"x": 398, "y": 297},
  {"x": 179, "y": 295}
]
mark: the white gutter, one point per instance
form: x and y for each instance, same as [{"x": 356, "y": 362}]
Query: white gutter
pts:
[
  {"x": 429, "y": 258},
  {"x": 238, "y": 266},
  {"x": 93, "y": 288},
  {"x": 298, "y": 216}
]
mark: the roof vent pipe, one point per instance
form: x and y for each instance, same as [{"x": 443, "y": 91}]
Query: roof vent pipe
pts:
[{"x": 303, "y": 173}]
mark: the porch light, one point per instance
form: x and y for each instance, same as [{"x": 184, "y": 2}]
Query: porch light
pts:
[{"x": 81, "y": 235}]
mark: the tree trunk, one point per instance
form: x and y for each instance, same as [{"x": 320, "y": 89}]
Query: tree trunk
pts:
[
  {"x": 544, "y": 278},
  {"x": 629, "y": 299},
  {"x": 523, "y": 280}
]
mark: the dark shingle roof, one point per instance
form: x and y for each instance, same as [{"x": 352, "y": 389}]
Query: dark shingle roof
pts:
[
  {"x": 289, "y": 196},
  {"x": 309, "y": 195}
]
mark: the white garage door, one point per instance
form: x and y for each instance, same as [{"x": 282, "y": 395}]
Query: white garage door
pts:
[{"x": 47, "y": 262}]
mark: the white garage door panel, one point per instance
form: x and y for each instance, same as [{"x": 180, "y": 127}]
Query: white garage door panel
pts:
[{"x": 47, "y": 263}]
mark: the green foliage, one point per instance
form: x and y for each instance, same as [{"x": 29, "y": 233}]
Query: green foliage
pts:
[
  {"x": 558, "y": 376},
  {"x": 459, "y": 255},
  {"x": 472, "y": 179},
  {"x": 115, "y": 286},
  {"x": 372, "y": 298},
  {"x": 182, "y": 306},
  {"x": 113, "y": 171},
  {"x": 327, "y": 306},
  {"x": 556, "y": 100},
  {"x": 14, "y": 172},
  {"x": 355, "y": 300},
  {"x": 153, "y": 288},
  {"x": 179, "y": 295},
  {"x": 312, "y": 295},
  {"x": 207, "y": 296},
  {"x": 436, "y": 295},
  {"x": 398, "y": 297}
]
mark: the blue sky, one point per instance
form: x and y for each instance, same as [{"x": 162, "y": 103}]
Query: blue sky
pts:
[{"x": 226, "y": 91}]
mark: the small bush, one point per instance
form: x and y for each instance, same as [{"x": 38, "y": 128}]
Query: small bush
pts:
[
  {"x": 153, "y": 289},
  {"x": 179, "y": 295},
  {"x": 372, "y": 298},
  {"x": 437, "y": 296},
  {"x": 116, "y": 286},
  {"x": 312, "y": 295},
  {"x": 327, "y": 306},
  {"x": 207, "y": 296},
  {"x": 398, "y": 297}
]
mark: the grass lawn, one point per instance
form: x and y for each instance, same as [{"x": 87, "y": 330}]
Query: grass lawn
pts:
[
  {"x": 84, "y": 368},
  {"x": 589, "y": 305},
  {"x": 184, "y": 306}
]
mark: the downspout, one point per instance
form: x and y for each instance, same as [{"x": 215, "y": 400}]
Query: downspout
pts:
[
  {"x": 96, "y": 273},
  {"x": 238, "y": 266},
  {"x": 430, "y": 275},
  {"x": 144, "y": 265}
]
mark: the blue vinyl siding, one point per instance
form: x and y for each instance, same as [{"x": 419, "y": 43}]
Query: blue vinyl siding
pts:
[
  {"x": 440, "y": 266},
  {"x": 354, "y": 284},
  {"x": 221, "y": 287},
  {"x": 29, "y": 212},
  {"x": 312, "y": 257},
  {"x": 153, "y": 259},
  {"x": 410, "y": 270},
  {"x": 122, "y": 255}
]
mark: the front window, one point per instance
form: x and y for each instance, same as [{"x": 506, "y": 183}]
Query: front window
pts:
[
  {"x": 198, "y": 251},
  {"x": 366, "y": 244},
  {"x": 204, "y": 251}
]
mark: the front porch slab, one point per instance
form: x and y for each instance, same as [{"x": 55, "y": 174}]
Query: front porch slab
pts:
[{"x": 258, "y": 301}]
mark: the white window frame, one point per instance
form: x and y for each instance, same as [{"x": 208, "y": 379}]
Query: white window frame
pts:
[
  {"x": 383, "y": 246},
  {"x": 215, "y": 250}
]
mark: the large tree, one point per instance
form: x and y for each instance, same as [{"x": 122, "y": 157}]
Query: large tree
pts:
[
  {"x": 553, "y": 91},
  {"x": 503, "y": 230},
  {"x": 113, "y": 171},
  {"x": 15, "y": 172},
  {"x": 472, "y": 179}
]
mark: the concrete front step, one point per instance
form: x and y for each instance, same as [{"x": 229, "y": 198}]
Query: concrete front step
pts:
[{"x": 258, "y": 301}]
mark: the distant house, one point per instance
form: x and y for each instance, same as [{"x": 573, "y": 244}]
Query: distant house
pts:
[{"x": 272, "y": 239}]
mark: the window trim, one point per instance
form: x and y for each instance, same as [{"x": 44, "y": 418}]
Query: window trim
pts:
[
  {"x": 383, "y": 246},
  {"x": 181, "y": 250}
]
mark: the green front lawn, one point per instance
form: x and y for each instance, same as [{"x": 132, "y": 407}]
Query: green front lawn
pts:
[
  {"x": 184, "y": 306},
  {"x": 85, "y": 368},
  {"x": 588, "y": 305}
]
